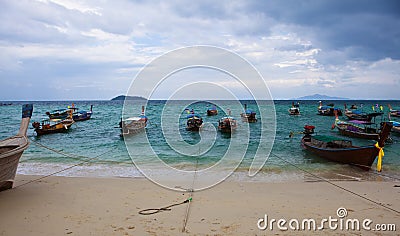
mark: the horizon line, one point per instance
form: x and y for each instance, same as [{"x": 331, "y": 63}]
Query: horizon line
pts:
[{"x": 241, "y": 99}]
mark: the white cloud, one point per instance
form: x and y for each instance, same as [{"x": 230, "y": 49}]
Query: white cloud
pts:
[
  {"x": 76, "y": 5},
  {"x": 121, "y": 36}
]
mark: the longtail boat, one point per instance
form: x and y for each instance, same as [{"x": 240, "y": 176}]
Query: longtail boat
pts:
[
  {"x": 51, "y": 126},
  {"x": 393, "y": 112},
  {"x": 12, "y": 148},
  {"x": 133, "y": 125},
  {"x": 248, "y": 115},
  {"x": 360, "y": 115},
  {"x": 295, "y": 109},
  {"x": 82, "y": 115},
  {"x": 194, "y": 122},
  {"x": 353, "y": 129},
  {"x": 356, "y": 129},
  {"x": 227, "y": 124},
  {"x": 343, "y": 151},
  {"x": 212, "y": 111},
  {"x": 328, "y": 110},
  {"x": 396, "y": 127},
  {"x": 61, "y": 113}
]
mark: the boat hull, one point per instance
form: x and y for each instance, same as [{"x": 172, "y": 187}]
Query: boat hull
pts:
[
  {"x": 227, "y": 126},
  {"x": 351, "y": 116},
  {"x": 396, "y": 129},
  {"x": 294, "y": 112},
  {"x": 362, "y": 157},
  {"x": 249, "y": 118},
  {"x": 82, "y": 117},
  {"x": 132, "y": 128},
  {"x": 329, "y": 112},
  {"x": 57, "y": 128},
  {"x": 356, "y": 132},
  {"x": 9, "y": 158},
  {"x": 194, "y": 123},
  {"x": 212, "y": 112},
  {"x": 193, "y": 128}
]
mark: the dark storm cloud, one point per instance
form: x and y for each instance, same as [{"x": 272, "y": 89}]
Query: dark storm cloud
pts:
[{"x": 366, "y": 29}]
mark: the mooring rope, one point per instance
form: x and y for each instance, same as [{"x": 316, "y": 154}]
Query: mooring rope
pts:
[
  {"x": 185, "y": 219},
  {"x": 74, "y": 156},
  {"x": 151, "y": 211},
  {"x": 88, "y": 159},
  {"x": 335, "y": 185}
]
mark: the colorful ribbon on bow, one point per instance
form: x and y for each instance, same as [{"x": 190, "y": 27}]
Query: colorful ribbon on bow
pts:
[{"x": 380, "y": 155}]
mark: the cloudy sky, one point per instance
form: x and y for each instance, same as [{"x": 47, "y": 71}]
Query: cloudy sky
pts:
[{"x": 93, "y": 49}]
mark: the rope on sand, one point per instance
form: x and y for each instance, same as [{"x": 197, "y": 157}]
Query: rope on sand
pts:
[
  {"x": 337, "y": 186},
  {"x": 151, "y": 211},
  {"x": 88, "y": 159},
  {"x": 185, "y": 220}
]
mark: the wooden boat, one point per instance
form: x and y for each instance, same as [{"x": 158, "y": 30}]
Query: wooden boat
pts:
[
  {"x": 353, "y": 129},
  {"x": 227, "y": 124},
  {"x": 393, "y": 112},
  {"x": 353, "y": 107},
  {"x": 5, "y": 104},
  {"x": 328, "y": 110},
  {"x": 51, "y": 126},
  {"x": 194, "y": 122},
  {"x": 82, "y": 115},
  {"x": 343, "y": 151},
  {"x": 249, "y": 115},
  {"x": 295, "y": 109},
  {"x": 133, "y": 125},
  {"x": 396, "y": 127},
  {"x": 360, "y": 115},
  {"x": 212, "y": 111},
  {"x": 356, "y": 129},
  {"x": 11, "y": 150},
  {"x": 58, "y": 114}
]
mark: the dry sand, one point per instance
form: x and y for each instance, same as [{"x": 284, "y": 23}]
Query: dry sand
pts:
[{"x": 110, "y": 206}]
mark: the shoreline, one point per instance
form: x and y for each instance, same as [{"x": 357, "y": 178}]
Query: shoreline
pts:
[
  {"x": 269, "y": 174},
  {"x": 109, "y": 206}
]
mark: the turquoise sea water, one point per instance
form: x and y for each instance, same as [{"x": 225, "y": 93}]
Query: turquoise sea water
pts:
[{"x": 100, "y": 135}]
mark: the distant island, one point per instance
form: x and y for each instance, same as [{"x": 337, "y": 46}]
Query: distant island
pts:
[
  {"x": 123, "y": 97},
  {"x": 320, "y": 97}
]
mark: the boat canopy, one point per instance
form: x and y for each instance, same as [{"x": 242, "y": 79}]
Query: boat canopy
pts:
[
  {"x": 357, "y": 112},
  {"x": 193, "y": 116},
  {"x": 395, "y": 123},
  {"x": 249, "y": 111},
  {"x": 361, "y": 122},
  {"x": 227, "y": 117},
  {"x": 136, "y": 118}
]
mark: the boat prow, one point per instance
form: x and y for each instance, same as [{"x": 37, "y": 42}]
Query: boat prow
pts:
[{"x": 11, "y": 150}]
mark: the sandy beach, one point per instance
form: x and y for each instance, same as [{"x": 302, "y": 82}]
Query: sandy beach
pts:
[{"x": 110, "y": 206}]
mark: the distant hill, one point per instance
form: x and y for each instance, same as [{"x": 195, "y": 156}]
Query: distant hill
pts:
[
  {"x": 320, "y": 97},
  {"x": 123, "y": 97}
]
